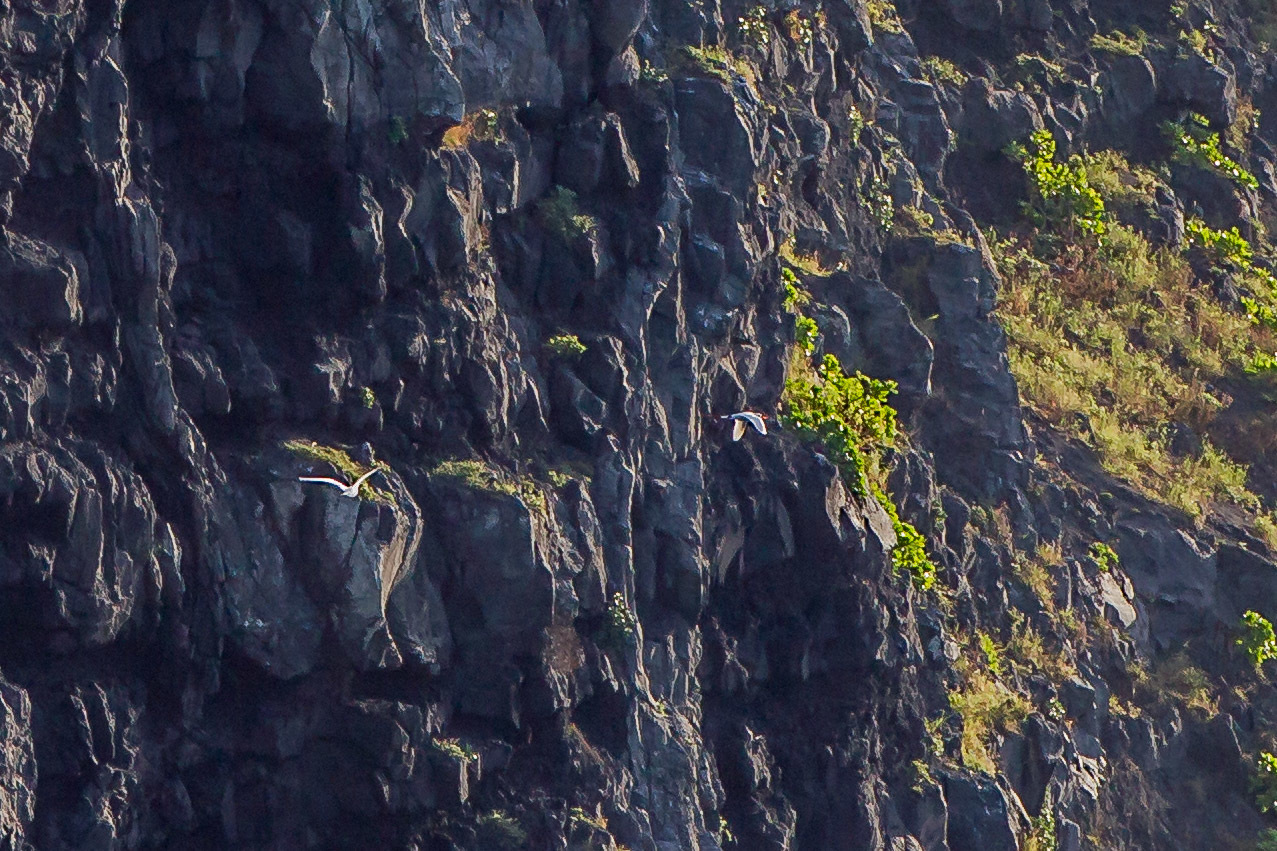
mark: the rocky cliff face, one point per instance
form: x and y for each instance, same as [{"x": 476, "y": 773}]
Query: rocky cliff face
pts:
[{"x": 248, "y": 240}]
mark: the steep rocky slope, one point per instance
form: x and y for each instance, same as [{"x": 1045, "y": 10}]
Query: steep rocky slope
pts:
[{"x": 247, "y": 240}]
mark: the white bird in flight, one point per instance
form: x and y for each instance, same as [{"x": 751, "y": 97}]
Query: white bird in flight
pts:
[
  {"x": 351, "y": 491},
  {"x": 758, "y": 421}
]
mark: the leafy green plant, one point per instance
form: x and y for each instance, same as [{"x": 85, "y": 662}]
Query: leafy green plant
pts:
[
  {"x": 1060, "y": 193},
  {"x": 807, "y": 333},
  {"x": 719, "y": 63},
  {"x": 1257, "y": 640},
  {"x": 1232, "y": 249},
  {"x": 848, "y": 413},
  {"x": 620, "y": 626},
  {"x": 855, "y": 123},
  {"x": 456, "y": 749},
  {"x": 940, "y": 70},
  {"x": 1042, "y": 830},
  {"x": 565, "y": 346},
  {"x": 561, "y": 214},
  {"x": 909, "y": 555},
  {"x": 795, "y": 296},
  {"x": 650, "y": 73},
  {"x": 883, "y": 16},
  {"x": 1196, "y": 145},
  {"x": 1264, "y": 784},
  {"x": 1120, "y": 43},
  {"x": 913, "y": 221},
  {"x": 992, "y": 653},
  {"x": 1267, "y": 841},
  {"x": 1104, "y": 556},
  {"x": 754, "y": 27},
  {"x": 882, "y": 209},
  {"x": 367, "y": 397}
]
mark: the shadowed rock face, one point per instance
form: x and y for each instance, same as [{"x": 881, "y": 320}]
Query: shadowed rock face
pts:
[{"x": 226, "y": 224}]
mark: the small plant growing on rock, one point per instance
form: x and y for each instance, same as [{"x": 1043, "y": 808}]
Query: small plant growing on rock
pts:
[
  {"x": 909, "y": 555},
  {"x": 992, "y": 653},
  {"x": 455, "y": 749},
  {"x": 848, "y": 413},
  {"x": 754, "y": 28},
  {"x": 1060, "y": 193},
  {"x": 619, "y": 628},
  {"x": 1104, "y": 556},
  {"x": 806, "y": 262},
  {"x": 795, "y": 296},
  {"x": 807, "y": 333},
  {"x": 1257, "y": 640},
  {"x": 1042, "y": 830},
  {"x": 719, "y": 63},
  {"x": 882, "y": 209},
  {"x": 367, "y": 397},
  {"x": 565, "y": 346},
  {"x": 1196, "y": 145},
  {"x": 1264, "y": 784},
  {"x": 649, "y": 73},
  {"x": 561, "y": 214},
  {"x": 883, "y": 16},
  {"x": 940, "y": 70},
  {"x": 1119, "y": 43},
  {"x": 855, "y": 123}
]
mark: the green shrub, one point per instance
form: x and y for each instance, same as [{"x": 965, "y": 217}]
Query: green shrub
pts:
[
  {"x": 561, "y": 214},
  {"x": 1264, "y": 784},
  {"x": 719, "y": 63},
  {"x": 940, "y": 70},
  {"x": 807, "y": 333},
  {"x": 992, "y": 653},
  {"x": 1104, "y": 556},
  {"x": 909, "y": 555},
  {"x": 883, "y": 16},
  {"x": 1042, "y": 830},
  {"x": 620, "y": 626},
  {"x": 1229, "y": 247},
  {"x": 848, "y": 413},
  {"x": 985, "y": 706},
  {"x": 479, "y": 476},
  {"x": 1196, "y": 145},
  {"x": 367, "y": 397},
  {"x": 754, "y": 27},
  {"x": 1257, "y": 640},
  {"x": 1120, "y": 43},
  {"x": 565, "y": 346},
  {"x": 456, "y": 749},
  {"x": 1060, "y": 193}
]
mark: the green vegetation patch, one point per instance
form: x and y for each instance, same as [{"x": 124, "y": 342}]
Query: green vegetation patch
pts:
[
  {"x": 565, "y": 346},
  {"x": 1257, "y": 640},
  {"x": 1060, "y": 193},
  {"x": 1114, "y": 342},
  {"x": 561, "y": 214},
  {"x": 986, "y": 707},
  {"x": 1264, "y": 784},
  {"x": 1120, "y": 44},
  {"x": 720, "y": 63},
  {"x": 339, "y": 459},
  {"x": 940, "y": 70},
  {"x": 479, "y": 476},
  {"x": 1195, "y": 144}
]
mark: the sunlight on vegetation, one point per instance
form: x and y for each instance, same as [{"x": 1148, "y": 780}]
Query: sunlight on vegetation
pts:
[
  {"x": 339, "y": 459},
  {"x": 986, "y": 707}
]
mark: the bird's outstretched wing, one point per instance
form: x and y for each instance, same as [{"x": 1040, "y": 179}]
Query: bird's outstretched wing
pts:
[
  {"x": 359, "y": 481},
  {"x": 738, "y": 429},
  {"x": 755, "y": 420},
  {"x": 323, "y": 481}
]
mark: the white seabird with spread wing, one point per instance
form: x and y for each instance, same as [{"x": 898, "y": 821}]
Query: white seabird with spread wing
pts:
[
  {"x": 758, "y": 421},
  {"x": 351, "y": 491}
]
